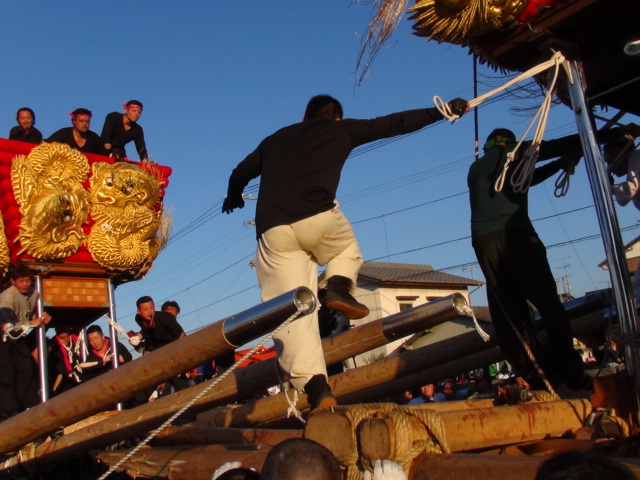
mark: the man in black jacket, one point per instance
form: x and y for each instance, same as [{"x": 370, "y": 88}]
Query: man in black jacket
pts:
[
  {"x": 299, "y": 225},
  {"x": 514, "y": 260}
]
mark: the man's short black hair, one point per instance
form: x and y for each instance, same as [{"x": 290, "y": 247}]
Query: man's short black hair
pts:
[
  {"x": 323, "y": 107},
  {"x": 26, "y": 109},
  {"x": 170, "y": 303},
  {"x": 134, "y": 103},
  {"x": 82, "y": 111},
  {"x": 95, "y": 329},
  {"x": 20, "y": 270},
  {"x": 145, "y": 299},
  {"x": 296, "y": 458}
]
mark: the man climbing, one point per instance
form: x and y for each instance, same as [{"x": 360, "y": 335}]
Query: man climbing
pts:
[{"x": 299, "y": 225}]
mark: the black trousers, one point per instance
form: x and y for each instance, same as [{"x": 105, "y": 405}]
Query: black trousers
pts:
[
  {"x": 516, "y": 269},
  {"x": 19, "y": 383}
]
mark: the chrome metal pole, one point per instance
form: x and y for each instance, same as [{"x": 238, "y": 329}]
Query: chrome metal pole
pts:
[
  {"x": 609, "y": 227},
  {"x": 43, "y": 372},
  {"x": 113, "y": 333}
]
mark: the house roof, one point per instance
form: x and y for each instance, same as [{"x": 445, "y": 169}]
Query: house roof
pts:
[
  {"x": 407, "y": 273},
  {"x": 603, "y": 264}
]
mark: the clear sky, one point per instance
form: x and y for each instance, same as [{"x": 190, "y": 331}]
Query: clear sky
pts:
[{"x": 217, "y": 77}]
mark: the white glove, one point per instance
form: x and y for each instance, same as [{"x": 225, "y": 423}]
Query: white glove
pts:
[
  {"x": 385, "y": 470},
  {"x": 224, "y": 467},
  {"x": 134, "y": 341}
]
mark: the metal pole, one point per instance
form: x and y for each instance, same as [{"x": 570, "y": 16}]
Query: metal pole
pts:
[
  {"x": 42, "y": 349},
  {"x": 620, "y": 282},
  {"x": 113, "y": 333}
]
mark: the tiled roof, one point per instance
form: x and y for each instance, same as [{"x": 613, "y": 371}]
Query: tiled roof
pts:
[{"x": 404, "y": 273}]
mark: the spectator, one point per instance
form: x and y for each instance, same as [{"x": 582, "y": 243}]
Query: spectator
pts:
[
  {"x": 64, "y": 360},
  {"x": 120, "y": 129},
  {"x": 18, "y": 314},
  {"x": 172, "y": 307},
  {"x": 583, "y": 465},
  {"x": 79, "y": 136},
  {"x": 423, "y": 395},
  {"x": 99, "y": 359},
  {"x": 300, "y": 459},
  {"x": 26, "y": 131},
  {"x": 157, "y": 330},
  {"x": 447, "y": 391}
]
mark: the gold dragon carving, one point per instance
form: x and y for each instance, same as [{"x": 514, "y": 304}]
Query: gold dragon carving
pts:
[
  {"x": 457, "y": 21},
  {"x": 47, "y": 185},
  {"x": 125, "y": 203},
  {"x": 5, "y": 257},
  {"x": 130, "y": 227}
]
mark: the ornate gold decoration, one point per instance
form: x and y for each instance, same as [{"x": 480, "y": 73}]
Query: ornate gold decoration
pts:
[
  {"x": 47, "y": 185},
  {"x": 5, "y": 257},
  {"x": 458, "y": 21},
  {"x": 130, "y": 227}
]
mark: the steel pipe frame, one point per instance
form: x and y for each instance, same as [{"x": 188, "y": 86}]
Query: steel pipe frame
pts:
[{"x": 607, "y": 218}]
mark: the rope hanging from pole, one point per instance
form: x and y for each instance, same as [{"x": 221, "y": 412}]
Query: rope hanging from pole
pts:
[{"x": 521, "y": 179}]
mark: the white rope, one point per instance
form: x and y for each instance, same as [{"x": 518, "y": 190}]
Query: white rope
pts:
[
  {"x": 198, "y": 396},
  {"x": 293, "y": 409},
  {"x": 446, "y": 112},
  {"x": 14, "y": 332},
  {"x": 467, "y": 310},
  {"x": 523, "y": 171},
  {"x": 116, "y": 326}
]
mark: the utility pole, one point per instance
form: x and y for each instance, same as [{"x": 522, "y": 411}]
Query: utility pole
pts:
[{"x": 566, "y": 289}]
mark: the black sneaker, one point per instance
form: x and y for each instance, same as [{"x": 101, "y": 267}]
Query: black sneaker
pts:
[{"x": 338, "y": 297}]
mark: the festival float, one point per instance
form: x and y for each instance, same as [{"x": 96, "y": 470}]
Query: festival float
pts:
[{"x": 83, "y": 220}]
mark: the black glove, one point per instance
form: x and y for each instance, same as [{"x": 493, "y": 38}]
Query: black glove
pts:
[
  {"x": 632, "y": 130},
  {"x": 567, "y": 162},
  {"x": 230, "y": 203},
  {"x": 458, "y": 106}
]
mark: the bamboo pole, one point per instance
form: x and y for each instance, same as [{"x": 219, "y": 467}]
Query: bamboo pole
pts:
[
  {"x": 153, "y": 368},
  {"x": 242, "y": 383}
]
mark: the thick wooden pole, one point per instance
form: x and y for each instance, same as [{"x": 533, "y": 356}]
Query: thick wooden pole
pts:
[
  {"x": 151, "y": 369},
  {"x": 188, "y": 463},
  {"x": 468, "y": 466},
  {"x": 241, "y": 384},
  {"x": 198, "y": 435},
  {"x": 464, "y": 430}
]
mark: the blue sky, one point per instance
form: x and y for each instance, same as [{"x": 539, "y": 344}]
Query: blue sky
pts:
[{"x": 217, "y": 77}]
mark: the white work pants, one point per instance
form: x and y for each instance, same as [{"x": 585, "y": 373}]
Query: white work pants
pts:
[{"x": 288, "y": 257}]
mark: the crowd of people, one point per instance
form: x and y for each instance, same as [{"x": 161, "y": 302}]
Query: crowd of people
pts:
[
  {"x": 73, "y": 356},
  {"x": 118, "y": 130}
]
